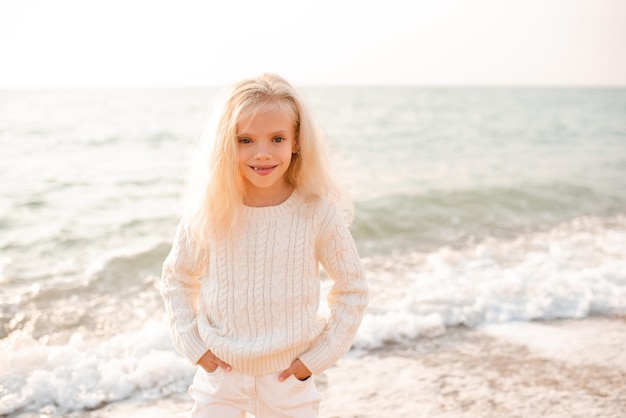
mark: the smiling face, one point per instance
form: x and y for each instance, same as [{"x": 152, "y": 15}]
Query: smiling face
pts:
[{"x": 265, "y": 143}]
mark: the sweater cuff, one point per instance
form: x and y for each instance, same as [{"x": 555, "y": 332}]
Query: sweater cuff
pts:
[
  {"x": 192, "y": 347},
  {"x": 317, "y": 359}
]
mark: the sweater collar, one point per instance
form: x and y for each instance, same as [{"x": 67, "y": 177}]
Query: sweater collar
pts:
[{"x": 282, "y": 209}]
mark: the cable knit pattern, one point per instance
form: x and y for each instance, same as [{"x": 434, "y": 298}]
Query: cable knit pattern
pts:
[{"x": 256, "y": 304}]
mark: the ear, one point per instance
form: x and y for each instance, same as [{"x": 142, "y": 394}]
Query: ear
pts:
[{"x": 296, "y": 146}]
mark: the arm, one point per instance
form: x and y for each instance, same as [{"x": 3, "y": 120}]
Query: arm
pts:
[
  {"x": 180, "y": 288},
  {"x": 347, "y": 298}
]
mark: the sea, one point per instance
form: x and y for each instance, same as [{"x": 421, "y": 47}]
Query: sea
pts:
[{"x": 473, "y": 206}]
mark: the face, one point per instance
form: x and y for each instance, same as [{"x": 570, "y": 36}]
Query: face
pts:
[{"x": 265, "y": 143}]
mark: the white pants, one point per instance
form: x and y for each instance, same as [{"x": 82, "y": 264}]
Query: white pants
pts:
[{"x": 223, "y": 394}]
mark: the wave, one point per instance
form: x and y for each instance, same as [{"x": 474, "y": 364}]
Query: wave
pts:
[
  {"x": 573, "y": 270},
  {"x": 120, "y": 267},
  {"x": 462, "y": 217},
  {"x": 88, "y": 298},
  {"x": 111, "y": 273},
  {"x": 88, "y": 373}
]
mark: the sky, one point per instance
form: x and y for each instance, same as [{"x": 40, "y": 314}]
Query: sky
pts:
[{"x": 68, "y": 43}]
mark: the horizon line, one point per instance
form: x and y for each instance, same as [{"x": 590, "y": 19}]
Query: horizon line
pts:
[{"x": 131, "y": 86}]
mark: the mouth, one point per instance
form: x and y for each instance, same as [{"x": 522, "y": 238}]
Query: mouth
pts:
[{"x": 263, "y": 170}]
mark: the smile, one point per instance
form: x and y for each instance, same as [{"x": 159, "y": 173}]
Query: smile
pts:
[{"x": 263, "y": 170}]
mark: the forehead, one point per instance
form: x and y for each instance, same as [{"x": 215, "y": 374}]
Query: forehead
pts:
[
  {"x": 252, "y": 110},
  {"x": 269, "y": 122}
]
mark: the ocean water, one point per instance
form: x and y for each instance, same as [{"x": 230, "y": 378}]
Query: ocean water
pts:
[{"x": 473, "y": 206}]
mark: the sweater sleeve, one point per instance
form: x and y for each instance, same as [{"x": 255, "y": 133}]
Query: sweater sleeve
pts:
[
  {"x": 347, "y": 298},
  {"x": 180, "y": 288}
]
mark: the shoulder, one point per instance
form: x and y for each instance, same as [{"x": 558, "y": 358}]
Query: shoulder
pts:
[
  {"x": 317, "y": 208},
  {"x": 325, "y": 218}
]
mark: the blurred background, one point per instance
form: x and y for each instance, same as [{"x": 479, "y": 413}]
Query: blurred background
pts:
[{"x": 483, "y": 142}]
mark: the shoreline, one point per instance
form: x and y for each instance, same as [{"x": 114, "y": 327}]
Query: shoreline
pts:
[
  {"x": 560, "y": 368},
  {"x": 557, "y": 368}
]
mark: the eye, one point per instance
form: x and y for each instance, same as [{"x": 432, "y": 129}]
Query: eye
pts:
[
  {"x": 279, "y": 139},
  {"x": 244, "y": 140}
]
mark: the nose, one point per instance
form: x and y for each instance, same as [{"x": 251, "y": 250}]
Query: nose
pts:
[{"x": 262, "y": 152}]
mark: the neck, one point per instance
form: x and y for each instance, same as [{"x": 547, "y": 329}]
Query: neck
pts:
[{"x": 262, "y": 197}]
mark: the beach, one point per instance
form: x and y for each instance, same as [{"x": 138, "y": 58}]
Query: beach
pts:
[
  {"x": 571, "y": 368},
  {"x": 562, "y": 368},
  {"x": 490, "y": 223}
]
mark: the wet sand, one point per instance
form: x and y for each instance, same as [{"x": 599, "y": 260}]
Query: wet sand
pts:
[{"x": 573, "y": 368}]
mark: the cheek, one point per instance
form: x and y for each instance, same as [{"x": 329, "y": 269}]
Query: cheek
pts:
[{"x": 241, "y": 155}]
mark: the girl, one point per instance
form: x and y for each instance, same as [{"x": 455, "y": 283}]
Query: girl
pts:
[{"x": 241, "y": 284}]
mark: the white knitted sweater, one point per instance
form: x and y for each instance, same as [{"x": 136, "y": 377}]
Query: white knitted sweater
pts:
[{"x": 256, "y": 304}]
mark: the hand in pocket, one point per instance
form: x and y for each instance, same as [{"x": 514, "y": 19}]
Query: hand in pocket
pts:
[{"x": 210, "y": 362}]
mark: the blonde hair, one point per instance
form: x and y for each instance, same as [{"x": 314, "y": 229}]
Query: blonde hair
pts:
[{"x": 215, "y": 192}]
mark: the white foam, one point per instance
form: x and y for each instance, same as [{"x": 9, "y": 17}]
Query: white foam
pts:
[
  {"x": 571, "y": 271},
  {"x": 394, "y": 327},
  {"x": 88, "y": 372}
]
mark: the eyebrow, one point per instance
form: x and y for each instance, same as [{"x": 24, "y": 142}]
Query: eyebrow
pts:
[{"x": 280, "y": 131}]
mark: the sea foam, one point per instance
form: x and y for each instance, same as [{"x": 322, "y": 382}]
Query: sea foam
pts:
[
  {"x": 572, "y": 271},
  {"x": 88, "y": 372}
]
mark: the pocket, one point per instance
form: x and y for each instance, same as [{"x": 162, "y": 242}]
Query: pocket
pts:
[
  {"x": 299, "y": 392},
  {"x": 218, "y": 371},
  {"x": 205, "y": 383},
  {"x": 298, "y": 384}
]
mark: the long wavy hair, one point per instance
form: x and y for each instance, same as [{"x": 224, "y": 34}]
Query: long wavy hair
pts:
[{"x": 215, "y": 189}]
